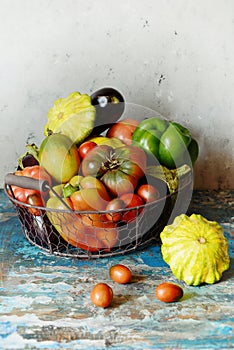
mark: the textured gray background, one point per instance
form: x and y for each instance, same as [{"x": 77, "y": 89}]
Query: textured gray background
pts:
[{"x": 176, "y": 57}]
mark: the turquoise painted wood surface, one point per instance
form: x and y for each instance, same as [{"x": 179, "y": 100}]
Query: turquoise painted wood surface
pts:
[{"x": 45, "y": 304}]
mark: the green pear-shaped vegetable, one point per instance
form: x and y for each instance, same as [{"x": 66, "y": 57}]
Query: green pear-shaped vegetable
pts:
[
  {"x": 195, "y": 249},
  {"x": 58, "y": 155}
]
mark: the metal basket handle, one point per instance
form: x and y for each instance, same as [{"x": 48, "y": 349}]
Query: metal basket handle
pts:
[
  {"x": 31, "y": 184},
  {"x": 27, "y": 182}
]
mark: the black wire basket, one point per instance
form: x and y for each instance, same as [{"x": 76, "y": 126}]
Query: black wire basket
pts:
[{"x": 87, "y": 234}]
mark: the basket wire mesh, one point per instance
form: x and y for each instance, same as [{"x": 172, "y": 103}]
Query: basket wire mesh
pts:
[{"x": 86, "y": 234}]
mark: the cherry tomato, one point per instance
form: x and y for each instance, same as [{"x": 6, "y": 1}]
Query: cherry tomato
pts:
[
  {"x": 123, "y": 130},
  {"x": 148, "y": 193},
  {"x": 120, "y": 274},
  {"x": 85, "y": 148},
  {"x": 115, "y": 204},
  {"x": 35, "y": 199},
  {"x": 131, "y": 200},
  {"x": 35, "y": 172},
  {"x": 168, "y": 292},
  {"x": 101, "y": 295}
]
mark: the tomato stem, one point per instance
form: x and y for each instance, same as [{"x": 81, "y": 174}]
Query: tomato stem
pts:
[{"x": 111, "y": 162}]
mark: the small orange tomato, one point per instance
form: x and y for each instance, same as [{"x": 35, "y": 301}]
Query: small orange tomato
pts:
[
  {"x": 35, "y": 200},
  {"x": 120, "y": 274},
  {"x": 168, "y": 292},
  {"x": 115, "y": 204},
  {"x": 101, "y": 295}
]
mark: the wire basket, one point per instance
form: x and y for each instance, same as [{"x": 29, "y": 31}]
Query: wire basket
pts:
[{"x": 87, "y": 234}]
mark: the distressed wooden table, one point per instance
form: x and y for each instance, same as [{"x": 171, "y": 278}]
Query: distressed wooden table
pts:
[{"x": 45, "y": 303}]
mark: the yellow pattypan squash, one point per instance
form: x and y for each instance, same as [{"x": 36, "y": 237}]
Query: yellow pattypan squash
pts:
[
  {"x": 72, "y": 116},
  {"x": 195, "y": 249}
]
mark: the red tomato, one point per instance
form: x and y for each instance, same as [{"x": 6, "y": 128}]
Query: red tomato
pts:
[
  {"x": 35, "y": 172},
  {"x": 148, "y": 193},
  {"x": 85, "y": 148},
  {"x": 101, "y": 295},
  {"x": 168, "y": 292},
  {"x": 120, "y": 274},
  {"x": 21, "y": 194},
  {"x": 35, "y": 200},
  {"x": 123, "y": 130},
  {"x": 115, "y": 204},
  {"x": 131, "y": 200}
]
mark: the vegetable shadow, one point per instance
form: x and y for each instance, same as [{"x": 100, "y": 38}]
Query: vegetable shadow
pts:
[{"x": 120, "y": 299}]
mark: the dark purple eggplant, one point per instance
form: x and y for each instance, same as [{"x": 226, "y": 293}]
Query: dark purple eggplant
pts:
[
  {"x": 109, "y": 104},
  {"x": 30, "y": 157},
  {"x": 29, "y": 160}
]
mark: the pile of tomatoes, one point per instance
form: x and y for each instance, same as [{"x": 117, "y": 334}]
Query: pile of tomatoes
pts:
[
  {"x": 117, "y": 173},
  {"x": 110, "y": 185},
  {"x": 119, "y": 170}
]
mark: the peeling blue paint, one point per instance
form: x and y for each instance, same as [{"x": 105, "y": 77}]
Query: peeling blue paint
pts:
[{"x": 45, "y": 303}]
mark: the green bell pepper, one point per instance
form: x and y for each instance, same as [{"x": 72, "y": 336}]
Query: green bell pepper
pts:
[{"x": 169, "y": 142}]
